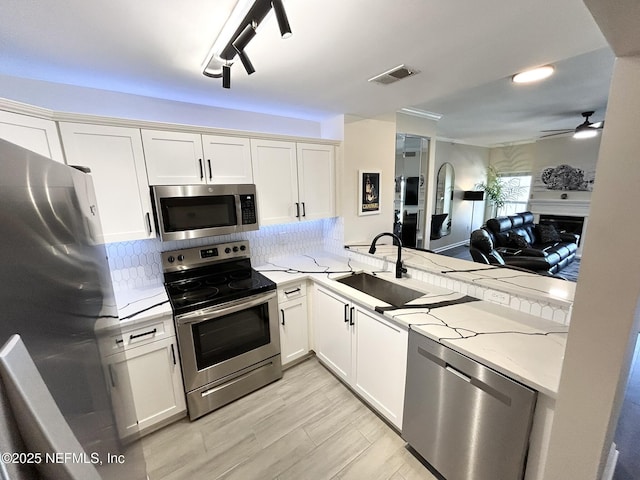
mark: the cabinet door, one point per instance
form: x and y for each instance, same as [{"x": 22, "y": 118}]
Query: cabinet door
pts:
[
  {"x": 227, "y": 159},
  {"x": 294, "y": 339},
  {"x": 276, "y": 179},
  {"x": 333, "y": 332},
  {"x": 155, "y": 381},
  {"x": 380, "y": 364},
  {"x": 35, "y": 134},
  {"x": 116, "y": 160},
  {"x": 316, "y": 180},
  {"x": 173, "y": 158}
]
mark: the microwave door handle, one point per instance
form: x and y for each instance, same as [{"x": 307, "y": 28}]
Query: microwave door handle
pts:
[{"x": 238, "y": 211}]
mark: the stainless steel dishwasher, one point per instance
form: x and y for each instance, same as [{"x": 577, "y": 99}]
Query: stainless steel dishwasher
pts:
[{"x": 468, "y": 421}]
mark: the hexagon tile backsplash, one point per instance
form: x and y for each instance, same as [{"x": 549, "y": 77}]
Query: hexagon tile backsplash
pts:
[{"x": 137, "y": 264}]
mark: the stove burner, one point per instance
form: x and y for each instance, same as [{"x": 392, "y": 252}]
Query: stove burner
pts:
[
  {"x": 215, "y": 280},
  {"x": 244, "y": 284},
  {"x": 199, "y": 295},
  {"x": 189, "y": 286},
  {"x": 240, "y": 275}
]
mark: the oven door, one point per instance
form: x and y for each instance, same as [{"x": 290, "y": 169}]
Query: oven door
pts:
[{"x": 224, "y": 339}]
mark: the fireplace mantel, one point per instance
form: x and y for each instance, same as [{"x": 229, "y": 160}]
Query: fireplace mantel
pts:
[
  {"x": 557, "y": 206},
  {"x": 575, "y": 208}
]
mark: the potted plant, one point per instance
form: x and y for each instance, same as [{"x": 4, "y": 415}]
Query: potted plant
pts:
[{"x": 498, "y": 191}]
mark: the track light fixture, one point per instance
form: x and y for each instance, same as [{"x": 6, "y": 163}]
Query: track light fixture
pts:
[
  {"x": 226, "y": 76},
  {"x": 281, "y": 16},
  {"x": 228, "y": 46}
]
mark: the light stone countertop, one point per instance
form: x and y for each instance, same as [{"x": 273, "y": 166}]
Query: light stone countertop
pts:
[
  {"x": 522, "y": 347},
  {"x": 526, "y": 284},
  {"x": 137, "y": 305}
]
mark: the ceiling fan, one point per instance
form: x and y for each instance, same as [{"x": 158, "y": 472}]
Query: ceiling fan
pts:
[{"x": 585, "y": 130}]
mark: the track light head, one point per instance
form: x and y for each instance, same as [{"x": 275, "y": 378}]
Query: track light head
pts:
[
  {"x": 281, "y": 16},
  {"x": 246, "y": 63},
  {"x": 241, "y": 42},
  {"x": 226, "y": 76}
]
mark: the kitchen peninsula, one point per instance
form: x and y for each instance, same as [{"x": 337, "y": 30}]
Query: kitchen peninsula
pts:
[{"x": 513, "y": 322}]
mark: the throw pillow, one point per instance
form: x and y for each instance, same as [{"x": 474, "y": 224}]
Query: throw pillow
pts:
[
  {"x": 517, "y": 241},
  {"x": 548, "y": 234}
]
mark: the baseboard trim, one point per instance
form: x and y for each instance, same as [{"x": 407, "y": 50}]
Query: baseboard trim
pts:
[{"x": 453, "y": 245}]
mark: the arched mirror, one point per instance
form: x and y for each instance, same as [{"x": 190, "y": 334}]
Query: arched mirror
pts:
[{"x": 441, "y": 218}]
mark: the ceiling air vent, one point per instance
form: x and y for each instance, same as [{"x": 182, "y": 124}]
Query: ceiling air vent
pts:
[{"x": 393, "y": 75}]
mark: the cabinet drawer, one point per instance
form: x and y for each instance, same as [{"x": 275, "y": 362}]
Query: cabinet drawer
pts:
[
  {"x": 136, "y": 335},
  {"x": 292, "y": 291}
]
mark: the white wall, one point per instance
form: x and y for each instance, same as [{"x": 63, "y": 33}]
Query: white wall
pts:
[
  {"x": 470, "y": 166},
  {"x": 73, "y": 99},
  {"x": 551, "y": 152},
  {"x": 368, "y": 144},
  {"x": 605, "y": 317}
]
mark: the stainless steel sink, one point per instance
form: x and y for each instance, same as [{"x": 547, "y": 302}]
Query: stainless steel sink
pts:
[{"x": 389, "y": 292}]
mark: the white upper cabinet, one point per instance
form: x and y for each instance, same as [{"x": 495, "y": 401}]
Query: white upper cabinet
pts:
[
  {"x": 183, "y": 158},
  {"x": 316, "y": 180},
  {"x": 227, "y": 159},
  {"x": 116, "y": 160},
  {"x": 36, "y": 134},
  {"x": 173, "y": 158},
  {"x": 295, "y": 181},
  {"x": 276, "y": 178}
]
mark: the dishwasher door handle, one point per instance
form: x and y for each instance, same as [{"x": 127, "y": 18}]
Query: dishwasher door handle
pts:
[{"x": 458, "y": 373}]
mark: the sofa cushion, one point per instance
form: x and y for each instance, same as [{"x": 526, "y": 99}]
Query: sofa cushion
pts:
[
  {"x": 515, "y": 240},
  {"x": 548, "y": 234}
]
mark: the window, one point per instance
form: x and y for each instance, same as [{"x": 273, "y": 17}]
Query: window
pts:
[{"x": 518, "y": 186}]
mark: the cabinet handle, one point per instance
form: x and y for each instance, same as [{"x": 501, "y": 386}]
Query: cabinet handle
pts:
[
  {"x": 282, "y": 311},
  {"x": 201, "y": 170},
  {"x": 173, "y": 354},
  {"x": 346, "y": 313},
  {"x": 119, "y": 340},
  {"x": 295, "y": 290},
  {"x": 209, "y": 165},
  {"x": 138, "y": 335},
  {"x": 304, "y": 210},
  {"x": 113, "y": 382},
  {"x": 351, "y": 317},
  {"x": 148, "y": 223},
  {"x": 297, "y": 210}
]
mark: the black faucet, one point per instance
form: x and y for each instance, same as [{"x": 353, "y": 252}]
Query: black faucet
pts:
[{"x": 396, "y": 241}]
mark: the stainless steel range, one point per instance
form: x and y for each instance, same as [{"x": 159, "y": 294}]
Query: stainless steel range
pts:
[{"x": 226, "y": 318}]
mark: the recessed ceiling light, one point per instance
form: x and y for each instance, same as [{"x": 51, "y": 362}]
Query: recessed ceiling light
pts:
[{"x": 533, "y": 75}]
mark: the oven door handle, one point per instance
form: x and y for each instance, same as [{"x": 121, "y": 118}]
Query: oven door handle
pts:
[{"x": 224, "y": 309}]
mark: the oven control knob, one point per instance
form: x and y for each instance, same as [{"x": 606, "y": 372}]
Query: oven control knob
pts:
[
  {"x": 180, "y": 257},
  {"x": 171, "y": 259},
  {"x": 235, "y": 249},
  {"x": 227, "y": 250},
  {"x": 243, "y": 248}
]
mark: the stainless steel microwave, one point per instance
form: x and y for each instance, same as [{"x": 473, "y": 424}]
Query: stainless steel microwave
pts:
[{"x": 193, "y": 211}]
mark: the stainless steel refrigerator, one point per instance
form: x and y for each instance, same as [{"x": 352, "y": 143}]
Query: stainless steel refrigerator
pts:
[{"x": 54, "y": 288}]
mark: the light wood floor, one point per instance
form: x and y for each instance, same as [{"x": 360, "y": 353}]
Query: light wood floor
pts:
[{"x": 306, "y": 426}]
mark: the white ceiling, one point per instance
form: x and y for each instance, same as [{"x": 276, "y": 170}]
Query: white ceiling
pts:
[{"x": 465, "y": 50}]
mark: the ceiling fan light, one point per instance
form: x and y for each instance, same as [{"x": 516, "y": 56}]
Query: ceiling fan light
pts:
[
  {"x": 533, "y": 75},
  {"x": 585, "y": 133}
]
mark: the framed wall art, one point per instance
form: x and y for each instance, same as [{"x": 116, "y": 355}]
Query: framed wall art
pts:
[{"x": 369, "y": 192}]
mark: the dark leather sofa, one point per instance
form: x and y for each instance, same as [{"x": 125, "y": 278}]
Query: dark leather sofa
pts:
[{"x": 519, "y": 242}]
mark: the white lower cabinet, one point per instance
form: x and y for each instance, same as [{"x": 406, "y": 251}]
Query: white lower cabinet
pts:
[
  {"x": 145, "y": 380},
  {"x": 294, "y": 333},
  {"x": 380, "y": 365},
  {"x": 364, "y": 349}
]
